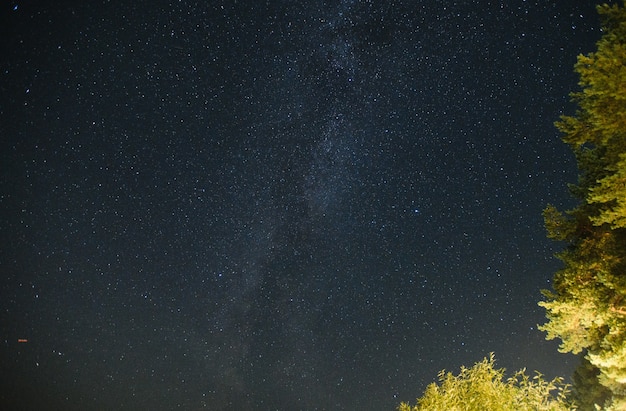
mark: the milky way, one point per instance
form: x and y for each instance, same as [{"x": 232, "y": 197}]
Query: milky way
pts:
[{"x": 270, "y": 205}]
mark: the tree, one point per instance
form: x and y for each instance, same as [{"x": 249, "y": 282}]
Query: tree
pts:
[
  {"x": 587, "y": 390},
  {"x": 483, "y": 387},
  {"x": 587, "y": 308}
]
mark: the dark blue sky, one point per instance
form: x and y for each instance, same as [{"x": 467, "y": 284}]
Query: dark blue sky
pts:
[{"x": 277, "y": 205}]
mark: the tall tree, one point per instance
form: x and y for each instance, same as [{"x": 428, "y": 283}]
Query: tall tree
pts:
[{"x": 587, "y": 308}]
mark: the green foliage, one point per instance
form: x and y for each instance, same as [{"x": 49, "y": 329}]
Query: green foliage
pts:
[
  {"x": 587, "y": 390},
  {"x": 483, "y": 387},
  {"x": 611, "y": 193},
  {"x": 559, "y": 226},
  {"x": 587, "y": 309}
]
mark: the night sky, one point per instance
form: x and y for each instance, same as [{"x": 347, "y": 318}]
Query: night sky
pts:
[{"x": 277, "y": 205}]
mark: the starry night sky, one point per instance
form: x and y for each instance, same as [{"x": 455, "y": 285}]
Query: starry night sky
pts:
[{"x": 277, "y": 205}]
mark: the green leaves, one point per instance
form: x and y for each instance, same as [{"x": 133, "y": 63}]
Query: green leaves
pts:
[
  {"x": 484, "y": 387},
  {"x": 587, "y": 309},
  {"x": 611, "y": 194},
  {"x": 558, "y": 225}
]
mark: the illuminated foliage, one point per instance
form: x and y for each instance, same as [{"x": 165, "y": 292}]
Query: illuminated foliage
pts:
[
  {"x": 587, "y": 389},
  {"x": 587, "y": 308},
  {"x": 483, "y": 387}
]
